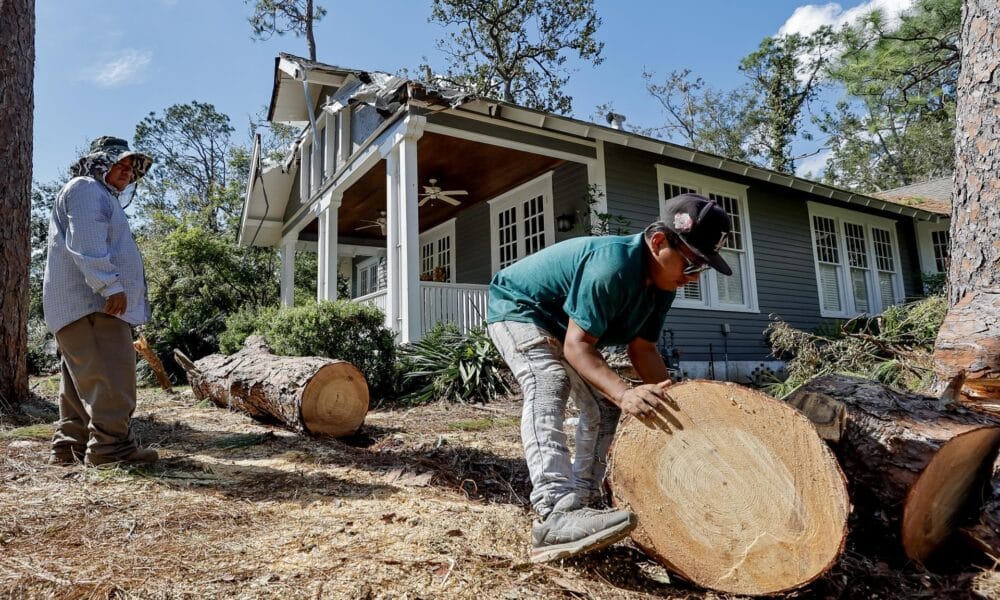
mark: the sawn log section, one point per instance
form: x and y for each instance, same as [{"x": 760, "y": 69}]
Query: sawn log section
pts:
[
  {"x": 740, "y": 495},
  {"x": 306, "y": 393}
]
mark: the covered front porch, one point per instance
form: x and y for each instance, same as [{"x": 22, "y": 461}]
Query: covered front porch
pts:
[{"x": 426, "y": 261}]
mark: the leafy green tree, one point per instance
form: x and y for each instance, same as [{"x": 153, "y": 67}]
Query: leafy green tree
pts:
[
  {"x": 191, "y": 144},
  {"x": 702, "y": 117},
  {"x": 785, "y": 72},
  {"x": 896, "y": 125},
  {"x": 271, "y": 17},
  {"x": 517, "y": 50}
]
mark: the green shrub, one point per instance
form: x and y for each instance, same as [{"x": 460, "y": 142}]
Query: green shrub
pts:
[
  {"x": 244, "y": 323},
  {"x": 342, "y": 329},
  {"x": 447, "y": 365},
  {"x": 42, "y": 358}
]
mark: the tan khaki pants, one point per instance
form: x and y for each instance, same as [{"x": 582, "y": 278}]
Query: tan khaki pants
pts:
[{"x": 97, "y": 391}]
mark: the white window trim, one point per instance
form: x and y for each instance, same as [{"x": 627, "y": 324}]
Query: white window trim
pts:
[
  {"x": 839, "y": 215},
  {"x": 706, "y": 185},
  {"x": 925, "y": 243},
  {"x": 542, "y": 186},
  {"x": 365, "y": 265},
  {"x": 432, "y": 235}
]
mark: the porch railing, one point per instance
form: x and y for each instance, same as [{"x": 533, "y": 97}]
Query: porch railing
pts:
[
  {"x": 463, "y": 304},
  {"x": 377, "y": 299}
]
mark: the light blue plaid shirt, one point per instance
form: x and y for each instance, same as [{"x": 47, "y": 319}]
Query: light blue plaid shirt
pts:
[{"x": 92, "y": 255}]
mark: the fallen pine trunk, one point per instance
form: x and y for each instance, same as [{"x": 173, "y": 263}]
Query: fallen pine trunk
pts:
[
  {"x": 306, "y": 393},
  {"x": 924, "y": 467},
  {"x": 741, "y": 496}
]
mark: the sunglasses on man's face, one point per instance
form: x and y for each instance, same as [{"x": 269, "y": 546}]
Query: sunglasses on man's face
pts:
[{"x": 694, "y": 266}]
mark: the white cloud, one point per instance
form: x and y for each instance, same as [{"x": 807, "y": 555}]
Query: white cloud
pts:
[
  {"x": 125, "y": 67},
  {"x": 813, "y": 166},
  {"x": 810, "y": 17}
]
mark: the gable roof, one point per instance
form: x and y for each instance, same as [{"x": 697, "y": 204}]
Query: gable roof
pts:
[
  {"x": 933, "y": 195},
  {"x": 288, "y": 106}
]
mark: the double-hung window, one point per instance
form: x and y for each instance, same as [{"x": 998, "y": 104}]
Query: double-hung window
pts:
[
  {"x": 713, "y": 290},
  {"x": 933, "y": 242},
  {"x": 371, "y": 275},
  {"x": 437, "y": 253},
  {"x": 521, "y": 222},
  {"x": 857, "y": 261}
]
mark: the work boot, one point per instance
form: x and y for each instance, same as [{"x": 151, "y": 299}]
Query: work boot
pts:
[
  {"x": 66, "y": 457},
  {"x": 572, "y": 529},
  {"x": 138, "y": 456}
]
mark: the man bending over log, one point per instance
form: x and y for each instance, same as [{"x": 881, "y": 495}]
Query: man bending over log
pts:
[{"x": 548, "y": 316}]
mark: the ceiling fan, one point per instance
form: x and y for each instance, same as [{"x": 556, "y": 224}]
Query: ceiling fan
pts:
[
  {"x": 433, "y": 192},
  {"x": 379, "y": 222}
]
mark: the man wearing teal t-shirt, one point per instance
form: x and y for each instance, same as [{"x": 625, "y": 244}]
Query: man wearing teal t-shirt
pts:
[{"x": 550, "y": 313}]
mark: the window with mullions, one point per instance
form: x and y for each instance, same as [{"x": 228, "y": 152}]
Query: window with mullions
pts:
[
  {"x": 940, "y": 243},
  {"x": 436, "y": 254},
  {"x": 856, "y": 262},
  {"x": 522, "y": 222},
  {"x": 714, "y": 290}
]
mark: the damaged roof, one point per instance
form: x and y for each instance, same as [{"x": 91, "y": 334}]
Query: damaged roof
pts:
[
  {"x": 385, "y": 92},
  {"x": 933, "y": 195}
]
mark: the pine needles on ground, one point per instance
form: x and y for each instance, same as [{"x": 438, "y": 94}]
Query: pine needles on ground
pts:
[{"x": 895, "y": 347}]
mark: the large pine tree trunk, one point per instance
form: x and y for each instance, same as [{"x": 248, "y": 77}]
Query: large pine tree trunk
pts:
[
  {"x": 970, "y": 336},
  {"x": 920, "y": 469},
  {"x": 740, "y": 496},
  {"x": 17, "y": 105},
  {"x": 305, "y": 393}
]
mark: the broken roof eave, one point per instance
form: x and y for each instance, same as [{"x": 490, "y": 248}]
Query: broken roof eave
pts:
[
  {"x": 288, "y": 105},
  {"x": 505, "y": 111}
]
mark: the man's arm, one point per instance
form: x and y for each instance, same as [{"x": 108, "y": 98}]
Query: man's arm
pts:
[
  {"x": 646, "y": 402},
  {"x": 647, "y": 361}
]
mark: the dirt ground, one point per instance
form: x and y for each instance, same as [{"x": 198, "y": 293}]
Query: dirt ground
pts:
[{"x": 429, "y": 502}]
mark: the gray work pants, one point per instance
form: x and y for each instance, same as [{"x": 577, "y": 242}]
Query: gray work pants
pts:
[
  {"x": 97, "y": 390},
  {"x": 548, "y": 382}
]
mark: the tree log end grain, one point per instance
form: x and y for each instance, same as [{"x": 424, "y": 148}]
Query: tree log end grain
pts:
[
  {"x": 941, "y": 494},
  {"x": 741, "y": 497},
  {"x": 335, "y": 400}
]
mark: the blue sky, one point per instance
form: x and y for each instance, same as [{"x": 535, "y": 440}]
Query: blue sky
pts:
[{"x": 102, "y": 65}]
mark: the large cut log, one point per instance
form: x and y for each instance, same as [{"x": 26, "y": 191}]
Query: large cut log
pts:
[
  {"x": 740, "y": 495},
  {"x": 306, "y": 393},
  {"x": 924, "y": 466}
]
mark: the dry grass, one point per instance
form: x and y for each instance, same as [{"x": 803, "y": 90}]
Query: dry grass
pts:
[{"x": 423, "y": 503}]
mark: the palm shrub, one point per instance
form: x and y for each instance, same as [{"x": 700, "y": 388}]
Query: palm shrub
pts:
[
  {"x": 339, "y": 329},
  {"x": 447, "y": 365}
]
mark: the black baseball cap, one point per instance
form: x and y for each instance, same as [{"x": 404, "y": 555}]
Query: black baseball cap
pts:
[{"x": 702, "y": 225}]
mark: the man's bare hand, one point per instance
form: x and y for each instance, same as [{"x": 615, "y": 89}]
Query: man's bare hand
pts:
[
  {"x": 651, "y": 404},
  {"x": 116, "y": 304}
]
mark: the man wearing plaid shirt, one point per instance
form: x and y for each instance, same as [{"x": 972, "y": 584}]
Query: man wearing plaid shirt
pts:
[{"x": 94, "y": 292}]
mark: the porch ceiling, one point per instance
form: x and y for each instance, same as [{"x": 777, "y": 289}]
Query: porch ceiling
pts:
[{"x": 484, "y": 170}]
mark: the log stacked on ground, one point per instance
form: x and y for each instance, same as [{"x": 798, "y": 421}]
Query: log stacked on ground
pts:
[
  {"x": 741, "y": 495},
  {"x": 306, "y": 393},
  {"x": 925, "y": 467}
]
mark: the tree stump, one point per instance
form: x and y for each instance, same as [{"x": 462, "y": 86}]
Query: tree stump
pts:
[
  {"x": 306, "y": 393},
  {"x": 924, "y": 467},
  {"x": 742, "y": 496}
]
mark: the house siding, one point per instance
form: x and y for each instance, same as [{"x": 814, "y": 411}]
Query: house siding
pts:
[{"x": 783, "y": 257}]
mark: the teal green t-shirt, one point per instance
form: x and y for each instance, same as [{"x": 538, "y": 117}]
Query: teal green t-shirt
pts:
[{"x": 599, "y": 282}]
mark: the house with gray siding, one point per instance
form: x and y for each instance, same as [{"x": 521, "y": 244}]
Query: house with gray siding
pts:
[{"x": 366, "y": 187}]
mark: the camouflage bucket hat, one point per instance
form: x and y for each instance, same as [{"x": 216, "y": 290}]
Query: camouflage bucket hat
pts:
[{"x": 104, "y": 152}]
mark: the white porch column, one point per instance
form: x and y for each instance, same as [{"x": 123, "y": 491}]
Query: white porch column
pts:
[
  {"x": 392, "y": 239},
  {"x": 328, "y": 222},
  {"x": 288, "y": 272},
  {"x": 597, "y": 181},
  {"x": 410, "y": 309}
]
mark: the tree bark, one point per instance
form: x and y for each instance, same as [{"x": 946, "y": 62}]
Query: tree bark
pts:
[
  {"x": 916, "y": 467},
  {"x": 17, "y": 105},
  {"x": 740, "y": 496},
  {"x": 311, "y": 394},
  {"x": 970, "y": 336}
]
